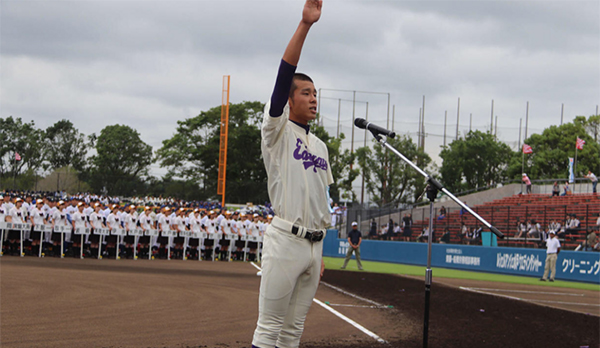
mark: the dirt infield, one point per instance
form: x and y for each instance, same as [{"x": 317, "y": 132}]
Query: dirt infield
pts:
[{"x": 124, "y": 303}]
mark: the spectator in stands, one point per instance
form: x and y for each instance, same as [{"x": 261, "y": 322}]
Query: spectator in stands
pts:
[
  {"x": 397, "y": 231},
  {"x": 407, "y": 227},
  {"x": 553, "y": 226},
  {"x": 555, "y": 189},
  {"x": 573, "y": 226},
  {"x": 588, "y": 244},
  {"x": 445, "y": 237},
  {"x": 521, "y": 229},
  {"x": 424, "y": 235},
  {"x": 593, "y": 179},
  {"x": 567, "y": 189},
  {"x": 373, "y": 229},
  {"x": 534, "y": 230},
  {"x": 391, "y": 235},
  {"x": 442, "y": 213},
  {"x": 527, "y": 182},
  {"x": 463, "y": 210},
  {"x": 464, "y": 232},
  {"x": 384, "y": 232}
]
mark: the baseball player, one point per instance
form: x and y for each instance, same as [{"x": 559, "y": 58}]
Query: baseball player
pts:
[
  {"x": 37, "y": 217},
  {"x": 146, "y": 224},
  {"x": 14, "y": 236},
  {"x": 297, "y": 165},
  {"x": 97, "y": 222},
  {"x": 78, "y": 220}
]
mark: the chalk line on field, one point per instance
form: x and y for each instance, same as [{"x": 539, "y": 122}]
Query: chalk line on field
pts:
[
  {"x": 529, "y": 292},
  {"x": 353, "y": 295},
  {"x": 528, "y": 300},
  {"x": 343, "y": 317},
  {"x": 356, "y": 306}
]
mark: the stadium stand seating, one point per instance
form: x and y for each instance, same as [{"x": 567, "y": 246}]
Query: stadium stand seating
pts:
[{"x": 505, "y": 213}]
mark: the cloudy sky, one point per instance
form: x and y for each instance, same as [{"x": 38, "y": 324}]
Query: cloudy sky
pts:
[{"x": 148, "y": 64}]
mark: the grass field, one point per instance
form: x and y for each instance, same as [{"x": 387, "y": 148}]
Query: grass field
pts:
[{"x": 394, "y": 268}]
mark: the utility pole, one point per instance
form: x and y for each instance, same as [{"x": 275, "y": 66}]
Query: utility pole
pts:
[
  {"x": 492, "y": 117},
  {"x": 457, "y": 118},
  {"x": 445, "y": 120}
]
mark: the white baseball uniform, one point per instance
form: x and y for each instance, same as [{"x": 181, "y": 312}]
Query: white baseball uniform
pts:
[{"x": 297, "y": 164}]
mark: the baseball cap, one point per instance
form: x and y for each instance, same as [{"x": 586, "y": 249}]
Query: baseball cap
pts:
[
  {"x": 552, "y": 232},
  {"x": 354, "y": 223}
]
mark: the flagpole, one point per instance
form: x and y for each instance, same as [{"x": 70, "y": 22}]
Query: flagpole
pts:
[
  {"x": 522, "y": 167},
  {"x": 575, "y": 170},
  {"x": 15, "y": 173}
]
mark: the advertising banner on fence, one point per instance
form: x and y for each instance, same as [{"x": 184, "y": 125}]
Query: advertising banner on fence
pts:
[{"x": 571, "y": 265}]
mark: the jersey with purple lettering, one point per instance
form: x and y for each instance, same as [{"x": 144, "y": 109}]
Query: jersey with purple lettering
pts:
[{"x": 298, "y": 170}]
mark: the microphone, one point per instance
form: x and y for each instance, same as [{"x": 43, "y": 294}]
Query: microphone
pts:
[{"x": 364, "y": 124}]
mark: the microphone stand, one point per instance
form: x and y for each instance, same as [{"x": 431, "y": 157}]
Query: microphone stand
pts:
[{"x": 433, "y": 186}]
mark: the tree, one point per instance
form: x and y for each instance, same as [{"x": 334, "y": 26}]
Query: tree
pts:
[
  {"x": 476, "y": 161},
  {"x": 552, "y": 149},
  {"x": 121, "y": 161},
  {"x": 193, "y": 153},
  {"x": 24, "y": 139},
  {"x": 340, "y": 162},
  {"x": 65, "y": 146},
  {"x": 390, "y": 180}
]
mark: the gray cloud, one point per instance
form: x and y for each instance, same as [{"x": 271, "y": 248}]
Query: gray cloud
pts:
[{"x": 151, "y": 63}]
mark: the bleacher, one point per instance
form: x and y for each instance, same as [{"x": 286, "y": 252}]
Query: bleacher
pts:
[{"x": 504, "y": 214}]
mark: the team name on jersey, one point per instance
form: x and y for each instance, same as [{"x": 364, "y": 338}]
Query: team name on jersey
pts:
[{"x": 301, "y": 154}]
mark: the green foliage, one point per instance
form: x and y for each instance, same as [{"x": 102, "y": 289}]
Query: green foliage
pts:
[
  {"x": 340, "y": 162},
  {"x": 476, "y": 161},
  {"x": 121, "y": 161},
  {"x": 64, "y": 146},
  {"x": 552, "y": 149},
  {"x": 193, "y": 153},
  {"x": 389, "y": 179},
  {"x": 24, "y": 139}
]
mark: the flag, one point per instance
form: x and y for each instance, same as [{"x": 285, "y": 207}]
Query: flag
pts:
[
  {"x": 527, "y": 149},
  {"x": 17, "y": 156},
  {"x": 580, "y": 143}
]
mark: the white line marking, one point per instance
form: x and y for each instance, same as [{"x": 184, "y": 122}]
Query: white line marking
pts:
[
  {"x": 255, "y": 266},
  {"x": 529, "y": 292},
  {"x": 355, "y": 306},
  {"x": 350, "y": 321},
  {"x": 569, "y": 303},
  {"x": 353, "y": 295},
  {"x": 529, "y": 300},
  {"x": 341, "y": 316}
]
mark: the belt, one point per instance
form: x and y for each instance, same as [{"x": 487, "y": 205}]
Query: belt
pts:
[
  {"x": 300, "y": 231},
  {"x": 314, "y": 236}
]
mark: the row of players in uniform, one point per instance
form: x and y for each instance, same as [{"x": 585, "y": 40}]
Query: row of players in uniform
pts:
[{"x": 129, "y": 218}]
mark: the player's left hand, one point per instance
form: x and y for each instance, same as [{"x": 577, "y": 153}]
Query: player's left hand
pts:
[
  {"x": 312, "y": 11},
  {"x": 322, "y": 267}
]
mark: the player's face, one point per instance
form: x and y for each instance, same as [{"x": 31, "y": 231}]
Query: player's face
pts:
[{"x": 303, "y": 104}]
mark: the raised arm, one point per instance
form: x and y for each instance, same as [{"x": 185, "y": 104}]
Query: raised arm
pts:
[{"x": 310, "y": 15}]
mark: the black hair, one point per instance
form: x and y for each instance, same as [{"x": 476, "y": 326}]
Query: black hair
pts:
[{"x": 300, "y": 77}]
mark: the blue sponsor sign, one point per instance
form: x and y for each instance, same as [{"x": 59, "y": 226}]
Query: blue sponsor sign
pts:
[{"x": 571, "y": 265}]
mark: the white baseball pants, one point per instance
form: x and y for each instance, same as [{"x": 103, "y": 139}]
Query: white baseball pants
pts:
[{"x": 291, "y": 269}]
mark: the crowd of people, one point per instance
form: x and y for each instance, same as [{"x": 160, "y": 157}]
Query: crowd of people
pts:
[
  {"x": 526, "y": 230},
  {"x": 88, "y": 225}
]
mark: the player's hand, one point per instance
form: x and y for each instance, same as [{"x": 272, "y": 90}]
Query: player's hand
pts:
[
  {"x": 312, "y": 11},
  {"x": 322, "y": 267}
]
